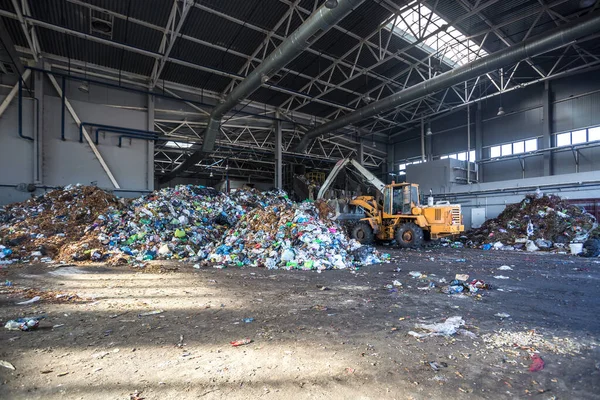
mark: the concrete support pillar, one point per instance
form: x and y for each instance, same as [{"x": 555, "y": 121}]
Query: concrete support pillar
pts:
[
  {"x": 390, "y": 163},
  {"x": 278, "y": 154},
  {"x": 479, "y": 141},
  {"x": 38, "y": 115},
  {"x": 150, "y": 146},
  {"x": 429, "y": 147},
  {"x": 423, "y": 156},
  {"x": 361, "y": 153},
  {"x": 547, "y": 129}
]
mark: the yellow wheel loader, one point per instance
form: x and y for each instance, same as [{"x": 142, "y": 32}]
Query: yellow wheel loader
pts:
[{"x": 397, "y": 212}]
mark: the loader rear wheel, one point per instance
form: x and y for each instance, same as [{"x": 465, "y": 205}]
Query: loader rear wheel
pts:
[
  {"x": 363, "y": 233},
  {"x": 409, "y": 235}
]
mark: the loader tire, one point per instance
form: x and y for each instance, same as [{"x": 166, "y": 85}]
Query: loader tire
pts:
[
  {"x": 409, "y": 235},
  {"x": 363, "y": 233}
]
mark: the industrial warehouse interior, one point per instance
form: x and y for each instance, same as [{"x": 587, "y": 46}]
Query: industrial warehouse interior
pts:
[{"x": 294, "y": 199}]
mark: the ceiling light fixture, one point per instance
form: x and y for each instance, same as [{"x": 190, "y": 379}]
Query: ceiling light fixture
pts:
[
  {"x": 428, "y": 132},
  {"x": 84, "y": 87},
  {"x": 331, "y": 4},
  {"x": 500, "y": 111},
  {"x": 211, "y": 174}
]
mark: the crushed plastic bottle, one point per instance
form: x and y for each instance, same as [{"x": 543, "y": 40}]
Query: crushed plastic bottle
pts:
[{"x": 23, "y": 324}]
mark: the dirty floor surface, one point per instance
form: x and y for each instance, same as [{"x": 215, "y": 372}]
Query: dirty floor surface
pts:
[{"x": 335, "y": 335}]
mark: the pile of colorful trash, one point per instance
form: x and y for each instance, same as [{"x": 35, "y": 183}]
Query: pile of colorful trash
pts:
[
  {"x": 184, "y": 222},
  {"x": 544, "y": 222},
  {"x": 39, "y": 228},
  {"x": 290, "y": 236},
  {"x": 194, "y": 223}
]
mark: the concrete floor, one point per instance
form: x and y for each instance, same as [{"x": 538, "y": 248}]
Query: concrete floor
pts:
[{"x": 348, "y": 342}]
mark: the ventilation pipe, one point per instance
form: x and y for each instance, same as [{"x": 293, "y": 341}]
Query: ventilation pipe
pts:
[
  {"x": 529, "y": 48},
  {"x": 321, "y": 20}
]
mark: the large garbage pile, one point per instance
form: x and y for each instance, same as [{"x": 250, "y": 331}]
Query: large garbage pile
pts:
[
  {"x": 291, "y": 236},
  {"x": 194, "y": 223},
  {"x": 537, "y": 223},
  {"x": 184, "y": 222},
  {"x": 40, "y": 227}
]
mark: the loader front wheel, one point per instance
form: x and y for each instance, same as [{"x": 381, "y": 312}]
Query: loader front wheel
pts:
[
  {"x": 409, "y": 235},
  {"x": 363, "y": 233}
]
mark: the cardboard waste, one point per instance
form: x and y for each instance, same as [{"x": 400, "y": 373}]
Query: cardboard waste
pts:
[
  {"x": 194, "y": 223},
  {"x": 544, "y": 222},
  {"x": 40, "y": 227}
]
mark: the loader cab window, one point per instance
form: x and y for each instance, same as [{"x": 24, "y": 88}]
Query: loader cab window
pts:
[{"x": 401, "y": 199}]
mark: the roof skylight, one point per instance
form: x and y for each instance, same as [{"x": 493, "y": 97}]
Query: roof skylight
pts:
[
  {"x": 450, "y": 45},
  {"x": 181, "y": 145}
]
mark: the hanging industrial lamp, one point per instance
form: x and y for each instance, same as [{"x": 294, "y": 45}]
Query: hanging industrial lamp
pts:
[
  {"x": 428, "y": 132},
  {"x": 84, "y": 88},
  {"x": 500, "y": 111},
  {"x": 331, "y": 4}
]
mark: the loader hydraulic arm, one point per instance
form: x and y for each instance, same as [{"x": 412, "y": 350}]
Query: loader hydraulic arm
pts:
[{"x": 368, "y": 177}]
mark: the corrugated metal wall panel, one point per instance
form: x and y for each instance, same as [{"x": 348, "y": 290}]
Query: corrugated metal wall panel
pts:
[
  {"x": 513, "y": 127},
  {"x": 580, "y": 112}
]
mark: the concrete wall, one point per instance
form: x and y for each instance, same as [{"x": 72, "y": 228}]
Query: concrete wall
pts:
[{"x": 69, "y": 161}]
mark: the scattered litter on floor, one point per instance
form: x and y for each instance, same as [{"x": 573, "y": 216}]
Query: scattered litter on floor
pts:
[
  {"x": 6, "y": 364},
  {"x": 31, "y": 301},
  {"x": 501, "y": 277},
  {"x": 505, "y": 268},
  {"x": 23, "y": 324},
  {"x": 502, "y": 315},
  {"x": 537, "y": 364},
  {"x": 155, "y": 312},
  {"x": 446, "y": 328},
  {"x": 241, "y": 342}
]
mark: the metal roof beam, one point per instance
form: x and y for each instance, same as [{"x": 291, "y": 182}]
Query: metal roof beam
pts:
[
  {"x": 158, "y": 56},
  {"x": 31, "y": 37},
  {"x": 503, "y": 37},
  {"x": 403, "y": 50},
  {"x": 170, "y": 36}
]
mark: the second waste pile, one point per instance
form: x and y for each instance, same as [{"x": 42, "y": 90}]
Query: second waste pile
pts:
[
  {"x": 544, "y": 222},
  {"x": 194, "y": 223}
]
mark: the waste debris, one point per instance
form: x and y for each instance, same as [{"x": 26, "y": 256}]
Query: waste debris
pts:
[
  {"x": 537, "y": 364},
  {"x": 537, "y": 223},
  {"x": 6, "y": 364},
  {"x": 43, "y": 225},
  {"x": 461, "y": 285},
  {"x": 447, "y": 328},
  {"x": 241, "y": 342},
  {"x": 290, "y": 236},
  {"x": 31, "y": 301},
  {"x": 24, "y": 324},
  {"x": 186, "y": 222}
]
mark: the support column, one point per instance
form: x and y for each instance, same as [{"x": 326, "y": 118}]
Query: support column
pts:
[
  {"x": 468, "y": 143},
  {"x": 423, "y": 157},
  {"x": 361, "y": 153},
  {"x": 278, "y": 153},
  {"x": 150, "y": 146},
  {"x": 479, "y": 142},
  {"x": 429, "y": 147},
  {"x": 390, "y": 162},
  {"x": 547, "y": 129},
  {"x": 38, "y": 144}
]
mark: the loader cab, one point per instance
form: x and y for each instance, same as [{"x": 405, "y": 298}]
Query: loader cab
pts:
[{"x": 400, "y": 198}]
